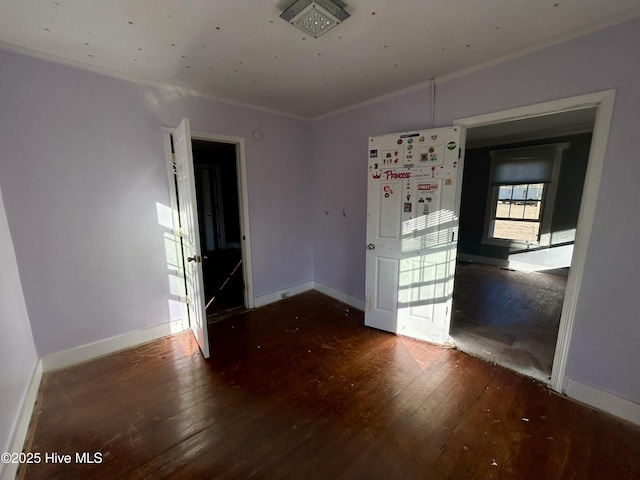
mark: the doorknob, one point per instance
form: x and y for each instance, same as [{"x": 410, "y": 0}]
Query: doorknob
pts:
[
  {"x": 192, "y": 259},
  {"x": 371, "y": 246}
]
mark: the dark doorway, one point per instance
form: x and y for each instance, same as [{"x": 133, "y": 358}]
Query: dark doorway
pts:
[{"x": 216, "y": 179}]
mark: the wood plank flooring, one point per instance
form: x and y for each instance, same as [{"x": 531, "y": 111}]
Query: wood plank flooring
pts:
[
  {"x": 508, "y": 317},
  {"x": 302, "y": 390}
]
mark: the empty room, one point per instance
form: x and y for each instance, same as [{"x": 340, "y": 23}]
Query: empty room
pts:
[{"x": 270, "y": 239}]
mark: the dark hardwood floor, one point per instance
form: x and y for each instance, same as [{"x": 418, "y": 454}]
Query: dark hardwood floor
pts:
[
  {"x": 508, "y": 317},
  {"x": 223, "y": 282},
  {"x": 302, "y": 390}
]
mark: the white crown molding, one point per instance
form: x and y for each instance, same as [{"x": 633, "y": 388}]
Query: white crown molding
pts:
[
  {"x": 443, "y": 78},
  {"x": 371, "y": 101},
  {"x": 579, "y": 32},
  {"x": 489, "y": 63},
  {"x": 140, "y": 80}
]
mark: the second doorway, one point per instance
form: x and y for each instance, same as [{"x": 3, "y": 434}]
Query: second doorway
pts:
[{"x": 216, "y": 179}]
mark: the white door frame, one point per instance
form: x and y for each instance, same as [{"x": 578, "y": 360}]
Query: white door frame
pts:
[
  {"x": 243, "y": 198},
  {"x": 603, "y": 101}
]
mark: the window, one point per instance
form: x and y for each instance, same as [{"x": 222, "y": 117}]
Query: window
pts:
[
  {"x": 518, "y": 212},
  {"x": 522, "y": 188}
]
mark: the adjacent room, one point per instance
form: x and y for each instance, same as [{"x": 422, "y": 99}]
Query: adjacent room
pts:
[
  {"x": 512, "y": 273},
  {"x": 185, "y": 212}
]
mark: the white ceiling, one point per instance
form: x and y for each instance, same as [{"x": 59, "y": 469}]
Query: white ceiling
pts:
[{"x": 241, "y": 51}]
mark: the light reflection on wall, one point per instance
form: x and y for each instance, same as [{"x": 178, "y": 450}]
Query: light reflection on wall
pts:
[{"x": 159, "y": 98}]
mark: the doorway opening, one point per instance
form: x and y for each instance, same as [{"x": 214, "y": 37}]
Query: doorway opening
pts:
[
  {"x": 210, "y": 213},
  {"x": 517, "y": 237},
  {"x": 391, "y": 223},
  {"x": 216, "y": 182}
]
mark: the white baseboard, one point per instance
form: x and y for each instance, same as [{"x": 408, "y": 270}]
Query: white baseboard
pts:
[
  {"x": 273, "y": 297},
  {"x": 608, "y": 402},
  {"x": 83, "y": 353},
  {"x": 497, "y": 262},
  {"x": 510, "y": 264},
  {"x": 338, "y": 295},
  {"x": 21, "y": 429},
  {"x": 304, "y": 287}
]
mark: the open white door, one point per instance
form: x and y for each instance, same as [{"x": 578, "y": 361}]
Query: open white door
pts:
[
  {"x": 188, "y": 207},
  {"x": 412, "y": 232}
]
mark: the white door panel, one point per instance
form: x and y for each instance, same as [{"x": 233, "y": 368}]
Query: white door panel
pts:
[
  {"x": 387, "y": 268},
  {"x": 412, "y": 231},
  {"x": 389, "y": 205},
  {"x": 188, "y": 207}
]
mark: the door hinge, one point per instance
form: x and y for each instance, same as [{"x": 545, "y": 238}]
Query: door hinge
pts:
[
  {"x": 173, "y": 158},
  {"x": 186, "y": 299},
  {"x": 180, "y": 232}
]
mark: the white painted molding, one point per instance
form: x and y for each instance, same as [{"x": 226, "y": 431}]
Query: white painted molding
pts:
[
  {"x": 184, "y": 90},
  {"x": 612, "y": 21},
  {"x": 100, "y": 348},
  {"x": 243, "y": 198},
  {"x": 272, "y": 297},
  {"x": 243, "y": 205},
  {"x": 604, "y": 102},
  {"x": 519, "y": 266},
  {"x": 93, "y": 350},
  {"x": 181, "y": 89},
  {"x": 21, "y": 429},
  {"x": 496, "y": 262},
  {"x": 371, "y": 101},
  {"x": 530, "y": 136},
  {"x": 605, "y": 401},
  {"x": 587, "y": 100},
  {"x": 304, "y": 287},
  {"x": 339, "y": 295}
]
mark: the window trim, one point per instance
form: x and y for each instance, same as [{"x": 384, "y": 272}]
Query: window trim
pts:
[{"x": 548, "y": 202}]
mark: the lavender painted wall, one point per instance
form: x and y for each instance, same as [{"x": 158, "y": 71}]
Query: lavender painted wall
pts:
[
  {"x": 604, "y": 351},
  {"x": 604, "y": 343},
  {"x": 82, "y": 168},
  {"x": 17, "y": 350},
  {"x": 340, "y": 184}
]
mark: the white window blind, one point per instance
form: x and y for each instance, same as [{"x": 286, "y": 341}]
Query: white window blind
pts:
[{"x": 517, "y": 166}]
